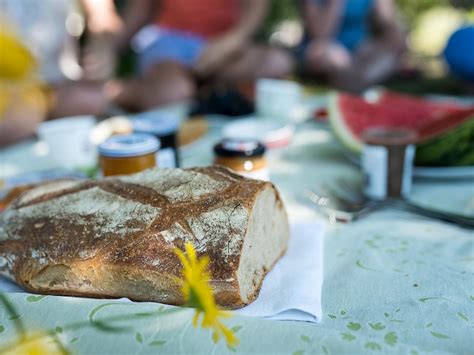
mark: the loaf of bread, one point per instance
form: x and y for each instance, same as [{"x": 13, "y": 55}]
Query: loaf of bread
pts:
[{"x": 115, "y": 237}]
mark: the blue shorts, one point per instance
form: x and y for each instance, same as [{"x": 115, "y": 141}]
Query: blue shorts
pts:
[{"x": 154, "y": 44}]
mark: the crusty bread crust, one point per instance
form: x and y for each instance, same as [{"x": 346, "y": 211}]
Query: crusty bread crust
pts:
[{"x": 115, "y": 237}]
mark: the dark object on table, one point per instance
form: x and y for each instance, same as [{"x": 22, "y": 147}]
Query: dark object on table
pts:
[
  {"x": 164, "y": 128},
  {"x": 222, "y": 101}
]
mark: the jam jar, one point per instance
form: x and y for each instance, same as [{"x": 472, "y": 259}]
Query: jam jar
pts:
[
  {"x": 128, "y": 154},
  {"x": 246, "y": 157}
]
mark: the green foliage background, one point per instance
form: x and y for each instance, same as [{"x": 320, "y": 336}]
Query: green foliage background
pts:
[{"x": 409, "y": 9}]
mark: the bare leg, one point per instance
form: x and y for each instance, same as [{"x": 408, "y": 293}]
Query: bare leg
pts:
[
  {"x": 326, "y": 58},
  {"x": 78, "y": 98},
  {"x": 256, "y": 62},
  {"x": 374, "y": 62},
  {"x": 20, "y": 121},
  {"x": 164, "y": 83}
]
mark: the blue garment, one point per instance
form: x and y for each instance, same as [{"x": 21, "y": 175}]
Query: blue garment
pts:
[
  {"x": 353, "y": 28},
  {"x": 170, "y": 45},
  {"x": 459, "y": 53}
]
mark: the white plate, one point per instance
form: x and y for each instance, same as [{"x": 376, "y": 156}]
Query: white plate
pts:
[
  {"x": 448, "y": 172},
  {"x": 443, "y": 172},
  {"x": 272, "y": 133}
]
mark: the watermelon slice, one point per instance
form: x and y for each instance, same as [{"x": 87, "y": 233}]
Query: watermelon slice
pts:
[{"x": 351, "y": 115}]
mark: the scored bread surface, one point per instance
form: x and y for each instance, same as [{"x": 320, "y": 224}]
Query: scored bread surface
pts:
[{"x": 115, "y": 237}]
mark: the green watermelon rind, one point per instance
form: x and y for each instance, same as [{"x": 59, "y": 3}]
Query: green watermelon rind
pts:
[
  {"x": 453, "y": 148},
  {"x": 348, "y": 139}
]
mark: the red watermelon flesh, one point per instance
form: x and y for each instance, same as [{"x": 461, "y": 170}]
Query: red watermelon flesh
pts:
[{"x": 351, "y": 115}]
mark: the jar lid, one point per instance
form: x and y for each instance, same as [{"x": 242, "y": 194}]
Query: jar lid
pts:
[
  {"x": 239, "y": 148},
  {"x": 129, "y": 145},
  {"x": 155, "y": 123}
]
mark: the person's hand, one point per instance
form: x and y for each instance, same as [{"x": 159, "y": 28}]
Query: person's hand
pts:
[
  {"x": 99, "y": 60},
  {"x": 216, "y": 53}
]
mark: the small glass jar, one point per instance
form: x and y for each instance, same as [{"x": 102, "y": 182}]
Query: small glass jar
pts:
[
  {"x": 164, "y": 128},
  {"x": 128, "y": 154},
  {"x": 245, "y": 157}
]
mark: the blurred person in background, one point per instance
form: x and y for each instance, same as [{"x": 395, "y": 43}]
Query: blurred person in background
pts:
[
  {"x": 352, "y": 44},
  {"x": 182, "y": 42},
  {"x": 40, "y": 72},
  {"x": 178, "y": 43}
]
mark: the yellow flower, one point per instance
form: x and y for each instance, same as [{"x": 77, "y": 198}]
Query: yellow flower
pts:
[
  {"x": 19, "y": 85},
  {"x": 16, "y": 63},
  {"x": 198, "y": 294},
  {"x": 35, "y": 344}
]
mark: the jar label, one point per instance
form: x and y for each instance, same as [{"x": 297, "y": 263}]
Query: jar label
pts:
[
  {"x": 408, "y": 170},
  {"x": 258, "y": 174},
  {"x": 375, "y": 169},
  {"x": 387, "y": 171}
]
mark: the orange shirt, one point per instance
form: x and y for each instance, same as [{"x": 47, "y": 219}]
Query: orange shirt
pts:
[{"x": 206, "y": 18}]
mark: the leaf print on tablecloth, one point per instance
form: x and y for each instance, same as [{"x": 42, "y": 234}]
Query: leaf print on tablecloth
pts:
[
  {"x": 372, "y": 346},
  {"x": 236, "y": 328},
  {"x": 298, "y": 352},
  {"x": 2, "y": 328},
  {"x": 139, "y": 338},
  {"x": 353, "y": 326},
  {"x": 305, "y": 338},
  {"x": 391, "y": 338},
  {"x": 440, "y": 335},
  {"x": 157, "y": 343},
  {"x": 348, "y": 337},
  {"x": 332, "y": 316},
  {"x": 370, "y": 243},
  {"x": 359, "y": 264},
  {"x": 463, "y": 316},
  {"x": 33, "y": 298},
  {"x": 433, "y": 298},
  {"x": 377, "y": 326},
  {"x": 58, "y": 329},
  {"x": 428, "y": 325},
  {"x": 471, "y": 298},
  {"x": 102, "y": 325}
]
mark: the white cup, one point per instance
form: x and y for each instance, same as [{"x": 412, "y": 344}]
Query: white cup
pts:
[
  {"x": 278, "y": 99},
  {"x": 69, "y": 142}
]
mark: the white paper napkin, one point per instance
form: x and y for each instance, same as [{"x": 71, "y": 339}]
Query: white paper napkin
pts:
[{"x": 292, "y": 290}]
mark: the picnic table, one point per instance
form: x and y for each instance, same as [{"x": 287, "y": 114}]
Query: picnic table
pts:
[{"x": 394, "y": 282}]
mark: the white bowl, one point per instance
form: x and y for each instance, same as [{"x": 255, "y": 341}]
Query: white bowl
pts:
[
  {"x": 273, "y": 134},
  {"x": 68, "y": 140}
]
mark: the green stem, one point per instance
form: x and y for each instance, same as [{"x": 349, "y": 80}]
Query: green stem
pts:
[
  {"x": 83, "y": 324},
  {"x": 20, "y": 328}
]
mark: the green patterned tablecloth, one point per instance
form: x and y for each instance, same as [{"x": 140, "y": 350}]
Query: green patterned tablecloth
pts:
[{"x": 394, "y": 282}]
